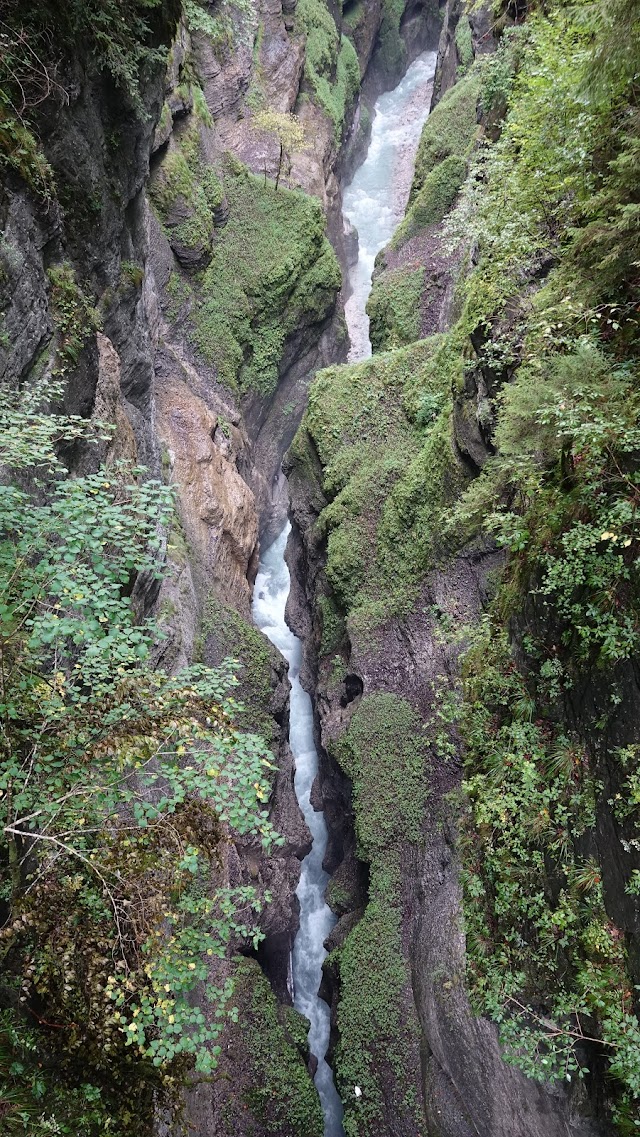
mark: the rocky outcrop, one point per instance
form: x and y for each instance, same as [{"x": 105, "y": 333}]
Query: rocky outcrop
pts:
[{"x": 217, "y": 508}]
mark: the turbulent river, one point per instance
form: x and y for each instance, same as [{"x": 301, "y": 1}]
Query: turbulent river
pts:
[{"x": 374, "y": 203}]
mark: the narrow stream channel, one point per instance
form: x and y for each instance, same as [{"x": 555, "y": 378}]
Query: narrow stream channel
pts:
[
  {"x": 374, "y": 203},
  {"x": 316, "y": 918}
]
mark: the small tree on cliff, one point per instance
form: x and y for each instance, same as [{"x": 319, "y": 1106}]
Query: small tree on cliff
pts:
[{"x": 289, "y": 132}]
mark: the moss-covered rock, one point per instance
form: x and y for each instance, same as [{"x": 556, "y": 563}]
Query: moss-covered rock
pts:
[
  {"x": 450, "y": 128},
  {"x": 271, "y": 1079},
  {"x": 189, "y": 196},
  {"x": 381, "y": 430},
  {"x": 434, "y": 199},
  {"x": 271, "y": 273},
  {"x": 394, "y": 307},
  {"x": 225, "y": 634},
  {"x": 332, "y": 70},
  {"x": 464, "y": 45},
  {"x": 384, "y": 753}
]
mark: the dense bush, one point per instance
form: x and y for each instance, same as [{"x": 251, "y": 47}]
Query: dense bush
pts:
[{"x": 116, "y": 787}]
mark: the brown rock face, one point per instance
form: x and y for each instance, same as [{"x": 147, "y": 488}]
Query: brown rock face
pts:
[
  {"x": 108, "y": 406},
  {"x": 216, "y": 506}
]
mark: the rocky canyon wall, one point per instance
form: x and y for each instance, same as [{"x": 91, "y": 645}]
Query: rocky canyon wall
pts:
[
  {"x": 403, "y": 597},
  {"x": 181, "y": 295}
]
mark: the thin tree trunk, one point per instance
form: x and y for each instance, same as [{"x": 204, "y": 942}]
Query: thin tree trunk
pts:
[{"x": 279, "y": 166}]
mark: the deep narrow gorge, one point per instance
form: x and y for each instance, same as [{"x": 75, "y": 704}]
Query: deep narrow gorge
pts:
[{"x": 319, "y": 596}]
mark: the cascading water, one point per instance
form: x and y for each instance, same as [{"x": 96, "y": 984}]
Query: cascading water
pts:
[
  {"x": 374, "y": 203},
  {"x": 316, "y": 918},
  {"x": 376, "y": 199}
]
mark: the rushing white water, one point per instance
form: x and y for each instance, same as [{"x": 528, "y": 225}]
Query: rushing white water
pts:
[
  {"x": 374, "y": 202},
  {"x": 377, "y": 197},
  {"x": 316, "y": 918}
]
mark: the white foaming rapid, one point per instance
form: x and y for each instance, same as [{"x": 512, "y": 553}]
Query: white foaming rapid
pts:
[
  {"x": 316, "y": 918},
  {"x": 374, "y": 203},
  {"x": 377, "y": 197}
]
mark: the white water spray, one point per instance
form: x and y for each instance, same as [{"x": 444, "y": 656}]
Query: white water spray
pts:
[
  {"x": 316, "y": 918},
  {"x": 376, "y": 199}
]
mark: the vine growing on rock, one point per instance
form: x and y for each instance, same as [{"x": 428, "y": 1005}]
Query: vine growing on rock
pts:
[
  {"x": 534, "y": 906},
  {"x": 551, "y": 310}
]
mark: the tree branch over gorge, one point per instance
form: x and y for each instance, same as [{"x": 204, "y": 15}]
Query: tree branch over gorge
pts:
[{"x": 119, "y": 786}]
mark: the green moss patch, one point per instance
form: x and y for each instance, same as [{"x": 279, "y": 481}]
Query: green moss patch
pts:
[
  {"x": 383, "y": 442},
  {"x": 434, "y": 199},
  {"x": 226, "y": 634},
  {"x": 394, "y": 307},
  {"x": 354, "y": 17},
  {"x": 450, "y": 128},
  {"x": 379, "y": 1030},
  {"x": 392, "y": 53},
  {"x": 464, "y": 45},
  {"x": 271, "y": 272},
  {"x": 332, "y": 624},
  {"x": 278, "y": 1090},
  {"x": 384, "y": 753},
  {"x": 332, "y": 70},
  {"x": 186, "y": 184}
]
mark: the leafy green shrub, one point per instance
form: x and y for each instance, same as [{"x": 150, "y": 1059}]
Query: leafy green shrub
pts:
[
  {"x": 123, "y": 42},
  {"x": 37, "y": 41},
  {"x": 116, "y": 782},
  {"x": 74, "y": 317},
  {"x": 132, "y": 274},
  {"x": 21, "y": 152},
  {"x": 579, "y": 422},
  {"x": 220, "y": 26},
  {"x": 544, "y": 958}
]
